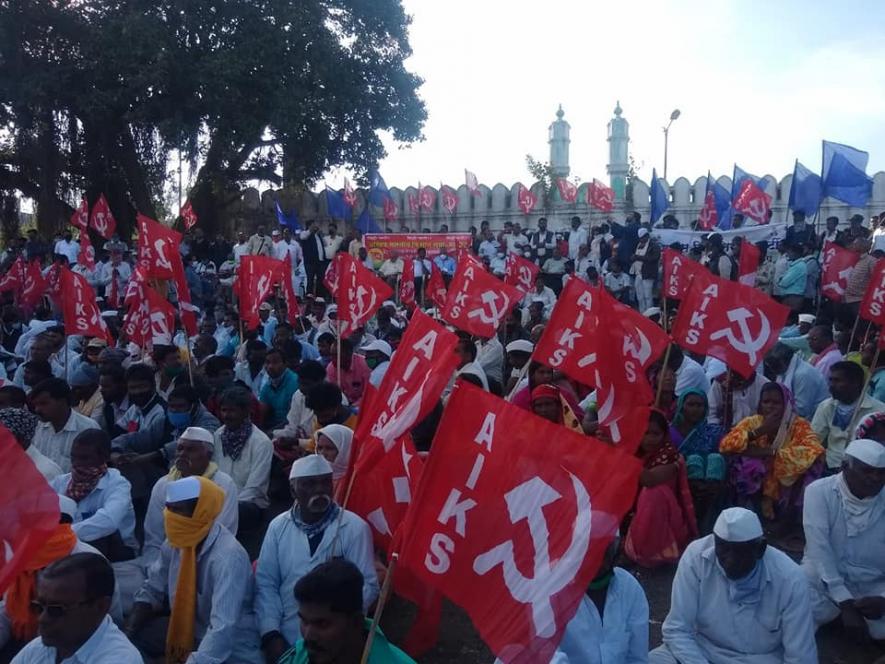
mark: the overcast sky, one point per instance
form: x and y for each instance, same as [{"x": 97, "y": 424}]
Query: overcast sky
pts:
[{"x": 758, "y": 83}]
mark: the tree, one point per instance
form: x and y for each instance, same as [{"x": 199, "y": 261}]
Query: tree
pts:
[{"x": 99, "y": 94}]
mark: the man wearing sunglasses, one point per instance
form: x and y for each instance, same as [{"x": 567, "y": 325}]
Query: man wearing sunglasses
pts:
[{"x": 74, "y": 595}]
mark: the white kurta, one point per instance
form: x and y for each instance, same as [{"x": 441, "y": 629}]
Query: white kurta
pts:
[
  {"x": 47, "y": 467},
  {"x": 251, "y": 472},
  {"x": 107, "y": 645},
  {"x": 842, "y": 567},
  {"x": 56, "y": 445},
  {"x": 620, "y": 636},
  {"x": 705, "y": 626},
  {"x": 285, "y": 557}
]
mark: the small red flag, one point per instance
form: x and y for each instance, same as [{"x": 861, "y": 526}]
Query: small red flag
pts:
[
  {"x": 872, "y": 307},
  {"x": 391, "y": 210},
  {"x": 86, "y": 257},
  {"x": 472, "y": 183},
  {"x": 837, "y": 264},
  {"x": 512, "y": 531},
  {"x": 426, "y": 198},
  {"x": 748, "y": 263},
  {"x": 187, "y": 214},
  {"x": 568, "y": 192},
  {"x": 157, "y": 247},
  {"x": 526, "y": 199},
  {"x": 729, "y": 321},
  {"x": 360, "y": 294},
  {"x": 709, "y": 215},
  {"x": 162, "y": 317},
  {"x": 80, "y": 218},
  {"x": 600, "y": 196},
  {"x": 14, "y": 277},
  {"x": 137, "y": 322},
  {"x": 34, "y": 285},
  {"x": 79, "y": 308},
  {"x": 101, "y": 219},
  {"x": 478, "y": 302},
  {"x": 436, "y": 287},
  {"x": 331, "y": 277},
  {"x": 407, "y": 283},
  {"x": 414, "y": 201},
  {"x": 285, "y": 277},
  {"x": 349, "y": 193},
  {"x": 449, "y": 198},
  {"x": 520, "y": 272},
  {"x": 256, "y": 277},
  {"x": 753, "y": 202}
]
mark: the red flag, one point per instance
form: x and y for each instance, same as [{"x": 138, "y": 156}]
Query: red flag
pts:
[
  {"x": 426, "y": 198},
  {"x": 752, "y": 202},
  {"x": 80, "y": 218},
  {"x": 30, "y": 509},
  {"x": 53, "y": 282},
  {"x": 527, "y": 200},
  {"x": 256, "y": 276},
  {"x": 34, "y": 285},
  {"x": 436, "y": 287},
  {"x": 600, "y": 196},
  {"x": 79, "y": 308},
  {"x": 837, "y": 264},
  {"x": 449, "y": 198},
  {"x": 478, "y": 524},
  {"x": 872, "y": 307},
  {"x": 391, "y": 210},
  {"x": 568, "y": 192},
  {"x": 359, "y": 296},
  {"x": 748, "y": 263},
  {"x": 101, "y": 219},
  {"x": 86, "y": 257},
  {"x": 15, "y": 276},
  {"x": 478, "y": 302},
  {"x": 414, "y": 202},
  {"x": 407, "y": 283},
  {"x": 520, "y": 272},
  {"x": 161, "y": 316},
  {"x": 472, "y": 183},
  {"x": 331, "y": 277},
  {"x": 188, "y": 216},
  {"x": 157, "y": 247},
  {"x": 349, "y": 193},
  {"x": 289, "y": 290},
  {"x": 137, "y": 322},
  {"x": 709, "y": 215},
  {"x": 729, "y": 321},
  {"x": 679, "y": 270}
]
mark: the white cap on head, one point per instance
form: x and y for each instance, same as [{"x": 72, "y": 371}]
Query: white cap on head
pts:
[
  {"x": 807, "y": 318},
  {"x": 642, "y": 232},
  {"x": 737, "y": 524},
  {"x": 520, "y": 346},
  {"x": 389, "y": 303},
  {"x": 652, "y": 311},
  {"x": 186, "y": 488},
  {"x": 868, "y": 451},
  {"x": 715, "y": 368},
  {"x": 265, "y": 306},
  {"x": 311, "y": 465},
  {"x": 67, "y": 506},
  {"x": 200, "y": 434},
  {"x": 378, "y": 345}
]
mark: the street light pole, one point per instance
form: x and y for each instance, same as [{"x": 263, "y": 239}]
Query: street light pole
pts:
[{"x": 674, "y": 115}]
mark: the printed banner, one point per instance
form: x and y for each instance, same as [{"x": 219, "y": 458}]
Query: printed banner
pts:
[{"x": 379, "y": 245}]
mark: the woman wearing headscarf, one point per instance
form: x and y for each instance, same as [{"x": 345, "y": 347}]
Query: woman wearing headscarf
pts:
[
  {"x": 540, "y": 374},
  {"x": 663, "y": 521},
  {"x": 334, "y": 442},
  {"x": 773, "y": 454},
  {"x": 872, "y": 427},
  {"x": 549, "y": 403}
]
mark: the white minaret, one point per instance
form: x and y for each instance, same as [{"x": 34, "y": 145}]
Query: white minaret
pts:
[
  {"x": 618, "y": 164},
  {"x": 559, "y": 140}
]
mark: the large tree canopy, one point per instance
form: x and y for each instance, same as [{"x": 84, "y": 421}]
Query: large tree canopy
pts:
[{"x": 95, "y": 95}]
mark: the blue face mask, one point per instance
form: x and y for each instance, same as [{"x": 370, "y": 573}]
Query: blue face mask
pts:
[{"x": 179, "y": 420}]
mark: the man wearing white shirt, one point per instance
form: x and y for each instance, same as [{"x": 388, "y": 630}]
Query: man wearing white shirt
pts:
[
  {"x": 280, "y": 248},
  {"x": 59, "y": 423},
  {"x": 241, "y": 248},
  {"x": 332, "y": 241},
  {"x": 22, "y": 424},
  {"x": 577, "y": 238},
  {"x": 542, "y": 293},
  {"x": 68, "y": 247},
  {"x": 114, "y": 277},
  {"x": 736, "y": 599}
]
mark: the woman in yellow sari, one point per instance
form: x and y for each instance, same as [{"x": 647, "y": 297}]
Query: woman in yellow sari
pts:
[{"x": 772, "y": 455}]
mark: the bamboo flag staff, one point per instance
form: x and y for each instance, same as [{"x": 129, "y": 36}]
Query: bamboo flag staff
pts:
[{"x": 379, "y": 608}]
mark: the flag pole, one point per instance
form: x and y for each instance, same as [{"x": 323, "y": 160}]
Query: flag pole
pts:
[
  {"x": 660, "y": 389},
  {"x": 190, "y": 367},
  {"x": 379, "y": 608},
  {"x": 852, "y": 423},
  {"x": 853, "y": 331}
]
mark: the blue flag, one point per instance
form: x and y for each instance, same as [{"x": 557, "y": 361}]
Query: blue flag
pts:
[
  {"x": 660, "y": 200},
  {"x": 721, "y": 201},
  {"x": 378, "y": 191},
  {"x": 844, "y": 176},
  {"x": 289, "y": 221},
  {"x": 336, "y": 206},
  {"x": 805, "y": 191},
  {"x": 366, "y": 223}
]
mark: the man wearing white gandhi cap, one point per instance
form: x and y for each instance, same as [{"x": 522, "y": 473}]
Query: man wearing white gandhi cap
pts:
[
  {"x": 313, "y": 531},
  {"x": 737, "y": 600},
  {"x": 844, "y": 519},
  {"x": 193, "y": 458}
]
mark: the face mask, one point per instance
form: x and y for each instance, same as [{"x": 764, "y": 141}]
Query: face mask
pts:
[
  {"x": 172, "y": 372},
  {"x": 179, "y": 420}
]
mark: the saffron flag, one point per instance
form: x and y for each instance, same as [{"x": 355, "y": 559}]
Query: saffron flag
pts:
[
  {"x": 729, "y": 321},
  {"x": 600, "y": 197},
  {"x": 660, "y": 198},
  {"x": 526, "y": 200},
  {"x": 256, "y": 277},
  {"x": 449, "y": 198},
  {"x": 483, "y": 517},
  {"x": 805, "y": 191},
  {"x": 80, "y": 218},
  {"x": 188, "y": 215},
  {"x": 520, "y": 272},
  {"x": 101, "y": 218},
  {"x": 748, "y": 263},
  {"x": 407, "y": 283},
  {"x": 436, "y": 287},
  {"x": 79, "y": 308},
  {"x": 836, "y": 268},
  {"x": 568, "y": 192},
  {"x": 753, "y": 202},
  {"x": 679, "y": 270},
  {"x": 478, "y": 302},
  {"x": 844, "y": 176},
  {"x": 872, "y": 307},
  {"x": 360, "y": 294}
]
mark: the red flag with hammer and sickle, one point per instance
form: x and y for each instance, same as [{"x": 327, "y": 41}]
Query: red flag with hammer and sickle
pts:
[
  {"x": 872, "y": 307},
  {"x": 567, "y": 190},
  {"x": 449, "y": 198},
  {"x": 101, "y": 218},
  {"x": 407, "y": 283},
  {"x": 752, "y": 201},
  {"x": 391, "y": 209},
  {"x": 188, "y": 216},
  {"x": 526, "y": 199},
  {"x": 512, "y": 531},
  {"x": 79, "y": 307},
  {"x": 600, "y": 196},
  {"x": 478, "y": 302},
  {"x": 520, "y": 272},
  {"x": 837, "y": 264},
  {"x": 426, "y": 197},
  {"x": 360, "y": 294},
  {"x": 34, "y": 285},
  {"x": 256, "y": 277},
  {"x": 436, "y": 287},
  {"x": 80, "y": 218},
  {"x": 729, "y": 321}
]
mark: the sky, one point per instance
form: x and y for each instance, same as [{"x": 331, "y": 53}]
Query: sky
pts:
[{"x": 757, "y": 83}]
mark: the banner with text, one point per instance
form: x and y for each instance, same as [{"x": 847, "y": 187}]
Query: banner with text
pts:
[{"x": 380, "y": 245}]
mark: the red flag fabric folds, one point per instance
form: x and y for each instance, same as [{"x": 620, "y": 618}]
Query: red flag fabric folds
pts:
[
  {"x": 14, "y": 278},
  {"x": 520, "y": 272},
  {"x": 837, "y": 264},
  {"x": 86, "y": 257},
  {"x": 600, "y": 196},
  {"x": 729, "y": 321},
  {"x": 567, "y": 190},
  {"x": 679, "y": 270},
  {"x": 79, "y": 308},
  {"x": 478, "y": 302},
  {"x": 80, "y": 218},
  {"x": 34, "y": 285},
  {"x": 407, "y": 283},
  {"x": 510, "y": 530},
  {"x": 748, "y": 263},
  {"x": 436, "y": 287},
  {"x": 332, "y": 274},
  {"x": 188, "y": 216},
  {"x": 872, "y": 307},
  {"x": 449, "y": 199},
  {"x": 391, "y": 209},
  {"x": 291, "y": 298},
  {"x": 526, "y": 200},
  {"x": 256, "y": 277},
  {"x": 752, "y": 201},
  {"x": 360, "y": 294},
  {"x": 101, "y": 218}
]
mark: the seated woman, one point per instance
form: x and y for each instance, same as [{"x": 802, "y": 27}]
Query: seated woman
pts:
[
  {"x": 541, "y": 374},
  {"x": 698, "y": 442},
  {"x": 772, "y": 455},
  {"x": 548, "y": 402},
  {"x": 663, "y": 521},
  {"x": 334, "y": 441}
]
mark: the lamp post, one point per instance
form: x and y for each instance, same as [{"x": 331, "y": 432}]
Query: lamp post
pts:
[{"x": 675, "y": 114}]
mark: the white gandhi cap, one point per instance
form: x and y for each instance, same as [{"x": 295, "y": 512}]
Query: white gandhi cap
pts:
[
  {"x": 200, "y": 434},
  {"x": 520, "y": 346},
  {"x": 868, "y": 451},
  {"x": 737, "y": 524},
  {"x": 806, "y": 318},
  {"x": 187, "y": 488},
  {"x": 311, "y": 465}
]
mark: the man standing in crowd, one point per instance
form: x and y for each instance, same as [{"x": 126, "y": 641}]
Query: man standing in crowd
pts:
[
  {"x": 577, "y": 238},
  {"x": 315, "y": 257},
  {"x": 644, "y": 268},
  {"x": 541, "y": 242}
]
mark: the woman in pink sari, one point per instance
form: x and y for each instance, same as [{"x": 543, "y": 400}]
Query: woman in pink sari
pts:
[{"x": 663, "y": 520}]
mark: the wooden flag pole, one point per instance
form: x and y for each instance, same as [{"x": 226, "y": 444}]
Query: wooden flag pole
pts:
[
  {"x": 379, "y": 608},
  {"x": 853, "y": 331},
  {"x": 660, "y": 389},
  {"x": 665, "y": 318}
]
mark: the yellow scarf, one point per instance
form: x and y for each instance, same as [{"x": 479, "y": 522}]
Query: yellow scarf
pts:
[
  {"x": 211, "y": 469},
  {"x": 186, "y": 533}
]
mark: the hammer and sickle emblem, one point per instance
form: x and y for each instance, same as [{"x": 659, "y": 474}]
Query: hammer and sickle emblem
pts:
[
  {"x": 490, "y": 299},
  {"x": 527, "y": 501},
  {"x": 746, "y": 343}
]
